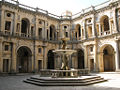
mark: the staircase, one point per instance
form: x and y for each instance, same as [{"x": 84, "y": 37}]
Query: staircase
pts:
[{"x": 79, "y": 81}]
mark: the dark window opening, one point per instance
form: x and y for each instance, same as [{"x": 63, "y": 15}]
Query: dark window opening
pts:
[
  {"x": 40, "y": 22},
  {"x": 47, "y": 34},
  {"x": 7, "y": 25},
  {"x": 89, "y": 20},
  {"x": 106, "y": 24},
  {"x": 76, "y": 35},
  {"x": 39, "y": 50},
  {"x": 6, "y": 47},
  {"x": 8, "y": 15},
  {"x": 91, "y": 49},
  {"x": 51, "y": 30},
  {"x": 40, "y": 32},
  {"x": 24, "y": 27},
  {"x": 66, "y": 34},
  {"x": 79, "y": 31},
  {"x": 50, "y": 64},
  {"x": 105, "y": 52},
  {"x": 32, "y": 29},
  {"x": 65, "y": 27}
]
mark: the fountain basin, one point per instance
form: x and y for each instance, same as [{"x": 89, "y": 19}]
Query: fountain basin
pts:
[
  {"x": 72, "y": 73},
  {"x": 65, "y": 52}
]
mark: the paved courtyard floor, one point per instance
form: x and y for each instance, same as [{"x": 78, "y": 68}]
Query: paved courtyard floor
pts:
[{"x": 16, "y": 83}]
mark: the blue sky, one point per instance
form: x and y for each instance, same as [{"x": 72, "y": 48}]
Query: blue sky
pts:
[{"x": 59, "y": 6}]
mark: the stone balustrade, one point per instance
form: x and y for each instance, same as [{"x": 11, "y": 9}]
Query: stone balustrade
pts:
[{"x": 63, "y": 73}]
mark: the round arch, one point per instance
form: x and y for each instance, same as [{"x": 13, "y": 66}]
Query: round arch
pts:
[
  {"x": 51, "y": 61},
  {"x": 52, "y": 32},
  {"x": 78, "y": 30},
  {"x": 80, "y": 56},
  {"x": 107, "y": 58},
  {"x": 104, "y": 21},
  {"x": 24, "y": 59}
]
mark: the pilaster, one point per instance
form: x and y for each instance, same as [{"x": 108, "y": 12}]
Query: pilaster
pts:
[
  {"x": 86, "y": 57},
  {"x": 1, "y": 59},
  {"x": 117, "y": 56},
  {"x": 14, "y": 59}
]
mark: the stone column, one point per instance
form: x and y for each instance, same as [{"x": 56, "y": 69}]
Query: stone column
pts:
[
  {"x": 99, "y": 29},
  {"x": 15, "y": 23},
  {"x": 117, "y": 61},
  {"x": 2, "y": 21},
  {"x": 95, "y": 57},
  {"x": 101, "y": 66},
  {"x": 86, "y": 57},
  {"x": 85, "y": 32},
  {"x": 93, "y": 27},
  {"x": 1, "y": 59},
  {"x": 115, "y": 21},
  {"x": 110, "y": 27},
  {"x": 43, "y": 57},
  {"x": 14, "y": 59}
]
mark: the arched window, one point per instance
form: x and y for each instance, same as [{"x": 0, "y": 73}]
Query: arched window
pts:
[
  {"x": 25, "y": 26},
  {"x": 78, "y": 31},
  {"x": 52, "y": 32},
  {"x": 104, "y": 21},
  {"x": 106, "y": 24}
]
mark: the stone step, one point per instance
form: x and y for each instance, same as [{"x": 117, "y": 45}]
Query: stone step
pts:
[
  {"x": 64, "y": 81},
  {"x": 64, "y": 84}
]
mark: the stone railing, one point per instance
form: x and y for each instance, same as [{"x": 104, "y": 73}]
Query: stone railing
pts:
[
  {"x": 64, "y": 73},
  {"x": 105, "y": 33}
]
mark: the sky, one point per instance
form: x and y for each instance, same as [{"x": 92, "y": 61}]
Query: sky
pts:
[{"x": 59, "y": 6}]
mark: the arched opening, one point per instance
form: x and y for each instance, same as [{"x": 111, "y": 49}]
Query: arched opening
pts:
[
  {"x": 78, "y": 30},
  {"x": 104, "y": 23},
  {"x": 50, "y": 63},
  {"x": 52, "y": 32},
  {"x": 24, "y": 59},
  {"x": 108, "y": 62},
  {"x": 80, "y": 59},
  {"x": 25, "y": 26}
]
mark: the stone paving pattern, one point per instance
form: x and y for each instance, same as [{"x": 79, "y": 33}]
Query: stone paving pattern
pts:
[{"x": 16, "y": 83}]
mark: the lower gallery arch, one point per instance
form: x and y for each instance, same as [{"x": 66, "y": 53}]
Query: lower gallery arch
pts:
[
  {"x": 107, "y": 58},
  {"x": 80, "y": 59},
  {"x": 51, "y": 61},
  {"x": 24, "y": 60}
]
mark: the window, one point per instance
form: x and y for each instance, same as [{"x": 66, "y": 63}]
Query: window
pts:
[
  {"x": 32, "y": 29},
  {"x": 8, "y": 15},
  {"x": 40, "y": 22},
  {"x": 7, "y": 25},
  {"x": 39, "y": 50},
  {"x": 40, "y": 32},
  {"x": 66, "y": 34},
  {"x": 6, "y": 47},
  {"x": 65, "y": 27},
  {"x": 91, "y": 49},
  {"x": 89, "y": 21}
]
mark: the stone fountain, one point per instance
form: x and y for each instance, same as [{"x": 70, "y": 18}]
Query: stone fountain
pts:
[{"x": 65, "y": 76}]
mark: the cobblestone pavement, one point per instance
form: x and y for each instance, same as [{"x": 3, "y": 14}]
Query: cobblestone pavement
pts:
[{"x": 15, "y": 83}]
